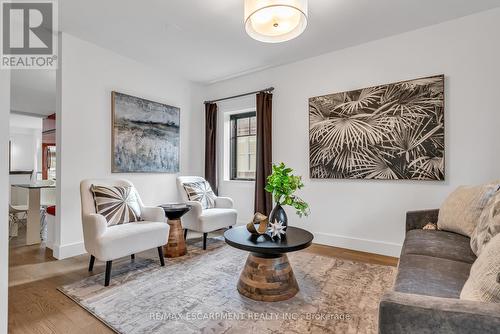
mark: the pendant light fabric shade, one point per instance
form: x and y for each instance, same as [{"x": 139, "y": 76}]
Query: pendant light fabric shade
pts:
[{"x": 275, "y": 21}]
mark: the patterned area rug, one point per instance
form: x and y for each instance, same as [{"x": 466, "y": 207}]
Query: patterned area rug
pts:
[{"x": 197, "y": 294}]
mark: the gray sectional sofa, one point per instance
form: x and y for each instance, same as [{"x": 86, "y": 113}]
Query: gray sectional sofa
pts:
[{"x": 432, "y": 270}]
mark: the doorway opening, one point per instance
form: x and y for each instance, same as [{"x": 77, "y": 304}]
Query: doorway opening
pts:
[{"x": 32, "y": 166}]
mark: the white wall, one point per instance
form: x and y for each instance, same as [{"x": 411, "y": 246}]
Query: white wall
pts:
[
  {"x": 241, "y": 191},
  {"x": 87, "y": 76},
  {"x": 26, "y": 142},
  {"x": 25, "y": 135},
  {"x": 25, "y": 121},
  {"x": 369, "y": 215},
  {"x": 4, "y": 195},
  {"x": 23, "y": 149}
]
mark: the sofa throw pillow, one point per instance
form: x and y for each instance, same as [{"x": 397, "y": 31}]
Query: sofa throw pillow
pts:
[
  {"x": 488, "y": 225},
  {"x": 119, "y": 205},
  {"x": 430, "y": 226},
  {"x": 483, "y": 283},
  {"x": 461, "y": 210},
  {"x": 201, "y": 192}
]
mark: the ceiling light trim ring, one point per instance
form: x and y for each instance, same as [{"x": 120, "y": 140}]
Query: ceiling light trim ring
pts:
[{"x": 276, "y": 5}]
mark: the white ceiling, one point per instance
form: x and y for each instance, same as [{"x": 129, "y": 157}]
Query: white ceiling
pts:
[
  {"x": 33, "y": 92},
  {"x": 205, "y": 40}
]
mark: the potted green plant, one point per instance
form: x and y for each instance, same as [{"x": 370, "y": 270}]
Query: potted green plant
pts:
[{"x": 282, "y": 184}]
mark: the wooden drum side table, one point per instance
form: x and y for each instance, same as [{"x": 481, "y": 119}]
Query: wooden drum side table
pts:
[
  {"x": 176, "y": 245},
  {"x": 267, "y": 275}
]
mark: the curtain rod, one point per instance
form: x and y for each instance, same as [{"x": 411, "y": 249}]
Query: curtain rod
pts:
[{"x": 267, "y": 90}]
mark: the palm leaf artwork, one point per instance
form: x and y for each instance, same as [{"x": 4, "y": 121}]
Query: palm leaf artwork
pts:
[{"x": 390, "y": 132}]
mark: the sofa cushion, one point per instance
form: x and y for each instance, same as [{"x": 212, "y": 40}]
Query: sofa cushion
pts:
[
  {"x": 445, "y": 245},
  {"x": 431, "y": 276},
  {"x": 488, "y": 225},
  {"x": 460, "y": 211},
  {"x": 484, "y": 280}
]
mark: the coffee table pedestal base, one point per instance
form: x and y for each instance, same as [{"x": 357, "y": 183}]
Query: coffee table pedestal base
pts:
[
  {"x": 176, "y": 245},
  {"x": 267, "y": 278}
]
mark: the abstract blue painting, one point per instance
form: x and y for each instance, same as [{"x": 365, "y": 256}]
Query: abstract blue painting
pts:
[{"x": 145, "y": 135}]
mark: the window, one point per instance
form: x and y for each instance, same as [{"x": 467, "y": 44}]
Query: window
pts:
[{"x": 243, "y": 146}]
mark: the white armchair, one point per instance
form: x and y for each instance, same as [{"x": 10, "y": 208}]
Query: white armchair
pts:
[
  {"x": 221, "y": 216},
  {"x": 107, "y": 243}
]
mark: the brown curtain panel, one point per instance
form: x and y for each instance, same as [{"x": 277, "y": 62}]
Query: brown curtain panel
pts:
[
  {"x": 210, "y": 145},
  {"x": 263, "y": 200}
]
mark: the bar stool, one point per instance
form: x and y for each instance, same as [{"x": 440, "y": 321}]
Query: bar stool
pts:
[{"x": 14, "y": 220}]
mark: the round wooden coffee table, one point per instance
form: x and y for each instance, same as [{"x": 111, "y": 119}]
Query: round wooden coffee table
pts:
[
  {"x": 267, "y": 275},
  {"x": 176, "y": 245}
]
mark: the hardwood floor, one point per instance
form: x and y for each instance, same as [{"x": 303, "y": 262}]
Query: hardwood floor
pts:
[{"x": 35, "y": 305}]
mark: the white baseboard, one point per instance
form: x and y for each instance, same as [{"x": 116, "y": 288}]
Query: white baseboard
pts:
[
  {"x": 64, "y": 251},
  {"x": 363, "y": 245},
  {"x": 358, "y": 244}
]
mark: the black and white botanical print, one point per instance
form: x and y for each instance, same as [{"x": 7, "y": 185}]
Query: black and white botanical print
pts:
[{"x": 389, "y": 132}]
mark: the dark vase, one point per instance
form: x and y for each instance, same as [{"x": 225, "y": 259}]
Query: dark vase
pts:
[{"x": 279, "y": 214}]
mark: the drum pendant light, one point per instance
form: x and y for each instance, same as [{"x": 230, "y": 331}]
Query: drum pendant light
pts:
[{"x": 275, "y": 21}]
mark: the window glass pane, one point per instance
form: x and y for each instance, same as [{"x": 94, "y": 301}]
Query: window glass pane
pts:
[
  {"x": 252, "y": 144},
  {"x": 243, "y": 126},
  {"x": 243, "y": 147},
  {"x": 242, "y": 143},
  {"x": 245, "y": 161},
  {"x": 253, "y": 159},
  {"x": 242, "y": 170},
  {"x": 246, "y": 175},
  {"x": 253, "y": 125}
]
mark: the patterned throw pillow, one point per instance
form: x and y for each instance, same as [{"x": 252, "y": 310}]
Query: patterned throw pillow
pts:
[
  {"x": 483, "y": 284},
  {"x": 430, "y": 226},
  {"x": 119, "y": 205},
  {"x": 461, "y": 210},
  {"x": 201, "y": 192},
  {"x": 488, "y": 225}
]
